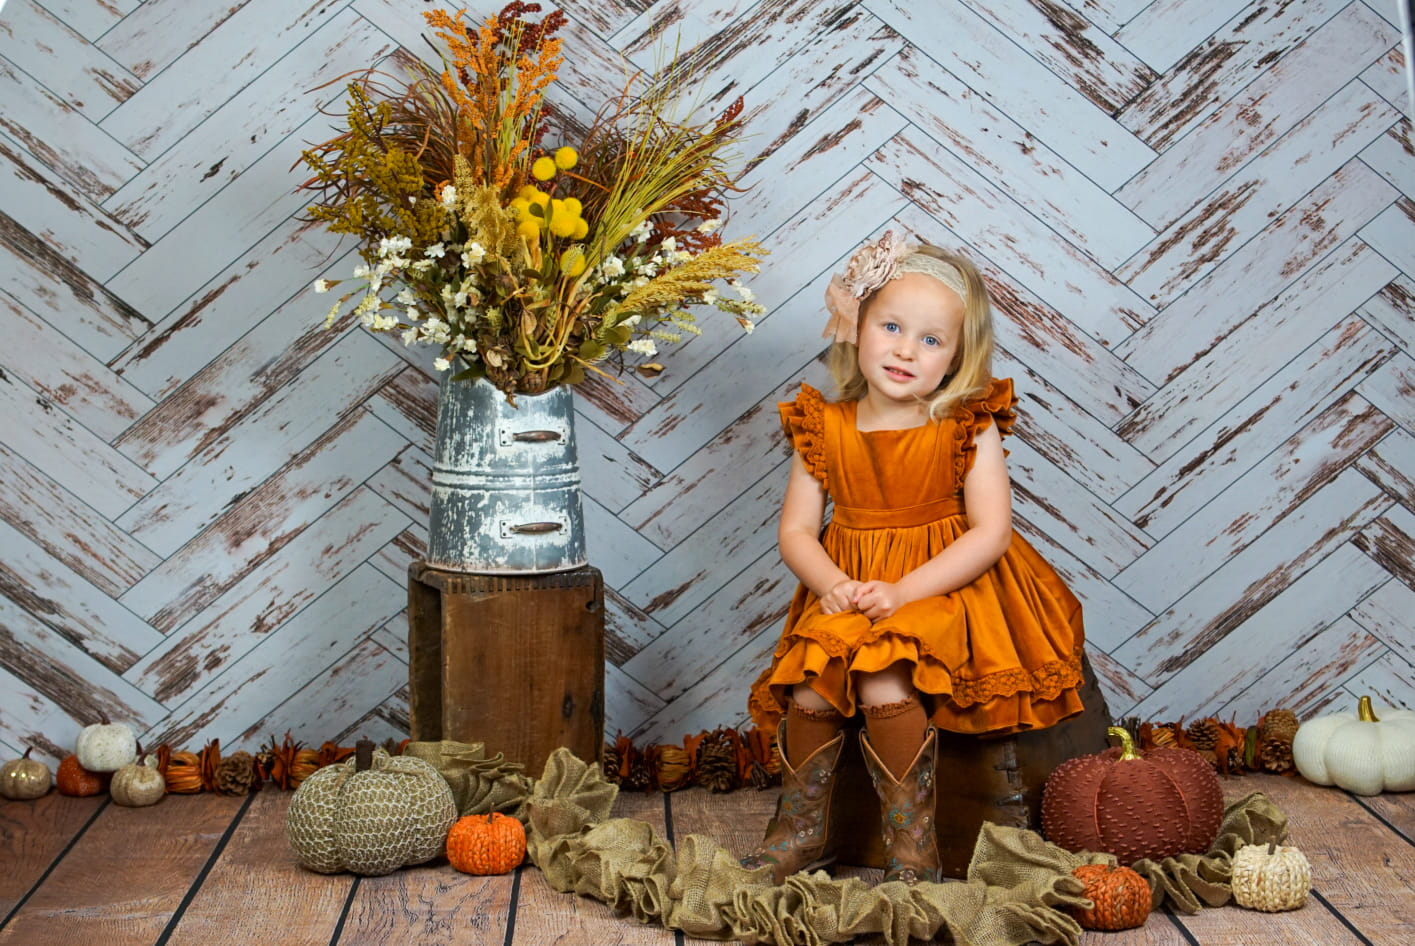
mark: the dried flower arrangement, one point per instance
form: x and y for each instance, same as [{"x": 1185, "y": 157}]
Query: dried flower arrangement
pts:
[{"x": 524, "y": 263}]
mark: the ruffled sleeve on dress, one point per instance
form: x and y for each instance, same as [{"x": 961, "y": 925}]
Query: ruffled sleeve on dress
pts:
[
  {"x": 803, "y": 420},
  {"x": 995, "y": 406}
]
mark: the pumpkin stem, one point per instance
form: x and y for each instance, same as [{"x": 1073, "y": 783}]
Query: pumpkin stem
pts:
[
  {"x": 363, "y": 755},
  {"x": 1366, "y": 711},
  {"x": 1127, "y": 745},
  {"x": 1272, "y": 848},
  {"x": 27, "y": 752}
]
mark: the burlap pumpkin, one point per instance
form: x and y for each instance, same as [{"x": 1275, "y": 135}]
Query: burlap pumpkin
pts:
[
  {"x": 370, "y": 815},
  {"x": 1133, "y": 805}
]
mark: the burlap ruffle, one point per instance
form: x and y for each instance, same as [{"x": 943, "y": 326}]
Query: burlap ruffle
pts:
[
  {"x": 702, "y": 890},
  {"x": 1018, "y": 888},
  {"x": 480, "y": 784}
]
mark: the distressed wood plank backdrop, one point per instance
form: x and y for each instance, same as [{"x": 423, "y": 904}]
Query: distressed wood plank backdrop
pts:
[{"x": 1197, "y": 217}]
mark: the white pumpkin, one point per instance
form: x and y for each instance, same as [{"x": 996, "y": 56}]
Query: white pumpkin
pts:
[
  {"x": 1363, "y": 752},
  {"x": 106, "y": 747}
]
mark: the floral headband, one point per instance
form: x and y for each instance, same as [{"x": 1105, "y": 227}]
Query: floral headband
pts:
[{"x": 873, "y": 265}]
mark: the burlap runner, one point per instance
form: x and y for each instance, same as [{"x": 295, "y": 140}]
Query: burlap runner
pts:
[{"x": 1017, "y": 889}]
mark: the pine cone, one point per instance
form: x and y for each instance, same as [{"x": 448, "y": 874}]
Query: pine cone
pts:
[
  {"x": 610, "y": 764},
  {"x": 759, "y": 778},
  {"x": 717, "y": 763},
  {"x": 1203, "y": 733},
  {"x": 1275, "y": 755},
  {"x": 235, "y": 774},
  {"x": 1280, "y": 724},
  {"x": 641, "y": 776}
]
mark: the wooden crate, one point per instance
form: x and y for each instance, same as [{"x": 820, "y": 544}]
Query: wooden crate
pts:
[
  {"x": 512, "y": 661},
  {"x": 979, "y": 779}
]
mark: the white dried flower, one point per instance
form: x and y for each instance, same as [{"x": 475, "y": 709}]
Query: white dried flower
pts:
[
  {"x": 441, "y": 364},
  {"x": 393, "y": 246},
  {"x": 643, "y": 346},
  {"x": 322, "y": 285}
]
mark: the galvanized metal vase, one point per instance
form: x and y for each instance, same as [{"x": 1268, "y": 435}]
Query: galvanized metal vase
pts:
[{"x": 505, "y": 482}]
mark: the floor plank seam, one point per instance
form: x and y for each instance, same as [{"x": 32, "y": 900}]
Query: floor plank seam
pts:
[
  {"x": 39, "y": 881},
  {"x": 1183, "y": 930},
  {"x": 1383, "y": 819},
  {"x": 678, "y": 937},
  {"x": 1341, "y": 917},
  {"x": 515, "y": 905},
  {"x": 200, "y": 880},
  {"x": 338, "y": 933}
]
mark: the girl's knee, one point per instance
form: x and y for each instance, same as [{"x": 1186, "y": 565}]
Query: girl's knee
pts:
[
  {"x": 807, "y": 698},
  {"x": 893, "y": 684}
]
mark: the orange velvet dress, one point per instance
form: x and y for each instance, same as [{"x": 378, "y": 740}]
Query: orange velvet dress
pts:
[{"x": 1001, "y": 654}]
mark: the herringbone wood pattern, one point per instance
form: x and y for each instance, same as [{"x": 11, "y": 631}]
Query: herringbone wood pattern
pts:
[{"x": 1198, "y": 219}]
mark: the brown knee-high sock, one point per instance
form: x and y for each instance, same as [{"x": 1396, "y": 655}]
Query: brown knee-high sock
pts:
[
  {"x": 896, "y": 732},
  {"x": 807, "y": 730}
]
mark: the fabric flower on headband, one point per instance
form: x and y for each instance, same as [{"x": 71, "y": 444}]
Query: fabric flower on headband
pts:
[{"x": 873, "y": 265}]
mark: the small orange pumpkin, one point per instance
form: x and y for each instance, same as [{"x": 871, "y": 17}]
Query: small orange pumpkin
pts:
[
  {"x": 71, "y": 778},
  {"x": 486, "y": 844},
  {"x": 1121, "y": 896}
]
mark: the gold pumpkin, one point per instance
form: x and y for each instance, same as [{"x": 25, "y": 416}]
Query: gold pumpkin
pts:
[
  {"x": 138, "y": 784},
  {"x": 25, "y": 778}
]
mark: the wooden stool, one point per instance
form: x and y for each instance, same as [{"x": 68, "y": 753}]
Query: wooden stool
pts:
[
  {"x": 997, "y": 779},
  {"x": 512, "y": 661}
]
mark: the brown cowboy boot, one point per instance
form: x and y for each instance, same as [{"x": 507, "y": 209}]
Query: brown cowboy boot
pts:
[
  {"x": 907, "y": 813},
  {"x": 796, "y": 837}
]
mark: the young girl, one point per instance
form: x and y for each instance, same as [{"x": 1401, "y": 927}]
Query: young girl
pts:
[{"x": 919, "y": 606}]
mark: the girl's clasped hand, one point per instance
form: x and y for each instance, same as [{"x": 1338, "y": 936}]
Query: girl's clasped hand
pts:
[{"x": 873, "y": 599}]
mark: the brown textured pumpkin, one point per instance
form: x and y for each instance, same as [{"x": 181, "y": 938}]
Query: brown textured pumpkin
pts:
[
  {"x": 73, "y": 779},
  {"x": 1133, "y": 805},
  {"x": 1122, "y": 897},
  {"x": 486, "y": 844}
]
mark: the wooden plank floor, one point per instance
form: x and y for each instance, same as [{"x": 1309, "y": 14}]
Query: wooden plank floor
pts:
[{"x": 208, "y": 870}]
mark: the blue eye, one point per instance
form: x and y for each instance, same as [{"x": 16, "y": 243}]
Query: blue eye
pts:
[
  {"x": 931, "y": 341},
  {"x": 891, "y": 326}
]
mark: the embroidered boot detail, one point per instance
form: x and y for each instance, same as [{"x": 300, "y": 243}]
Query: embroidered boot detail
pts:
[
  {"x": 797, "y": 835},
  {"x": 907, "y": 813}
]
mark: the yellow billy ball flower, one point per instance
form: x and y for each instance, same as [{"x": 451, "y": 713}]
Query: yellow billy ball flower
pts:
[
  {"x": 572, "y": 261},
  {"x": 574, "y": 206},
  {"x": 520, "y": 208},
  {"x": 529, "y": 228},
  {"x": 562, "y": 221},
  {"x": 582, "y": 229},
  {"x": 543, "y": 169},
  {"x": 566, "y": 158}
]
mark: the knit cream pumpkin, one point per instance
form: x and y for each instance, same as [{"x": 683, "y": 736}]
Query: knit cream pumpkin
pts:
[
  {"x": 1270, "y": 878},
  {"x": 1364, "y": 752},
  {"x": 370, "y": 814}
]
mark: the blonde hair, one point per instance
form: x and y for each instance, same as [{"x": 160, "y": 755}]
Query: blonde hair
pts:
[{"x": 971, "y": 372}]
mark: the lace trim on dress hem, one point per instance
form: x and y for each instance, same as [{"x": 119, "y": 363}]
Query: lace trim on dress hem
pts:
[{"x": 1046, "y": 683}]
